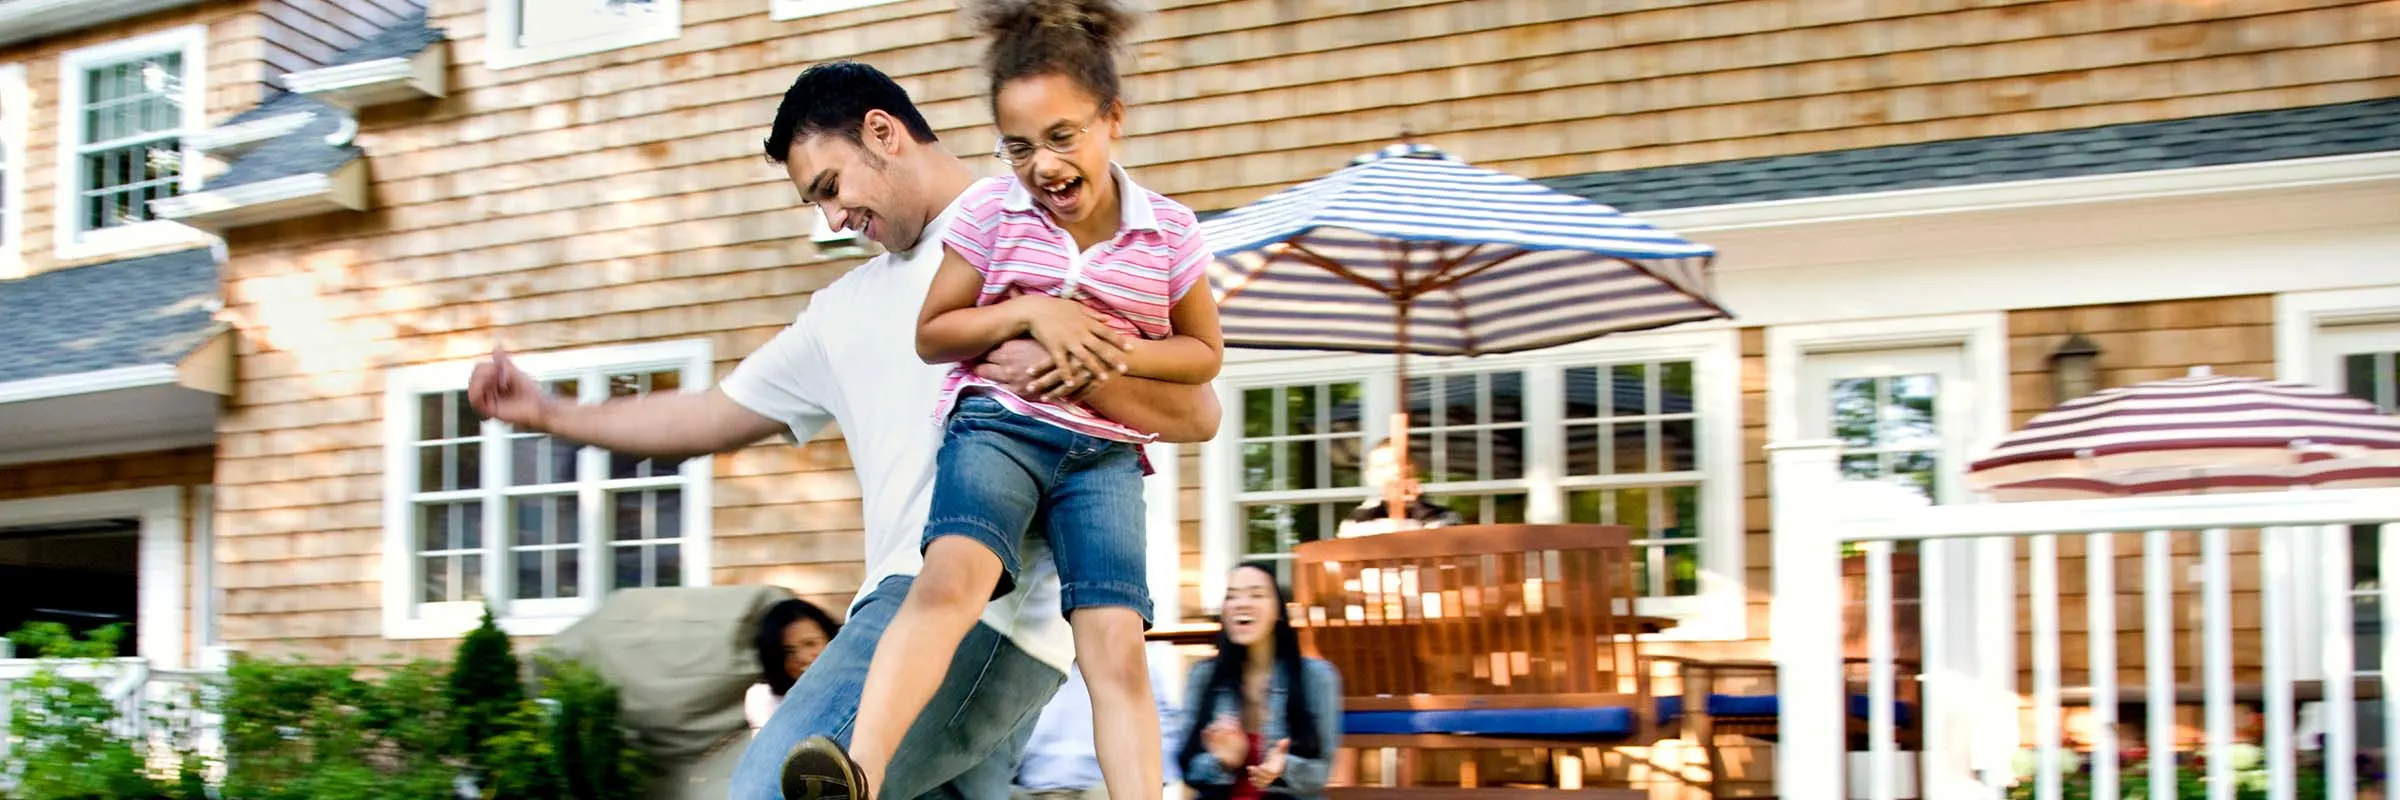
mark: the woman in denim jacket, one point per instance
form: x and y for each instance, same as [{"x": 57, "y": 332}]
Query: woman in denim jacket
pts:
[{"x": 1265, "y": 719}]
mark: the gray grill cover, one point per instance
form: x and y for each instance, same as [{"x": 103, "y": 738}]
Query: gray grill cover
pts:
[{"x": 680, "y": 659}]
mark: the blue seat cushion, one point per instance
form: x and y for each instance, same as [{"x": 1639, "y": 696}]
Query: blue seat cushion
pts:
[
  {"x": 1525, "y": 722},
  {"x": 1767, "y": 705}
]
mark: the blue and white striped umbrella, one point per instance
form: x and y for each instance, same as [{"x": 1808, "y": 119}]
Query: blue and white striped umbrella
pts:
[{"x": 1474, "y": 260}]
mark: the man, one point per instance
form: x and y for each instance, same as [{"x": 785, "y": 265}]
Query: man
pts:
[
  {"x": 1060, "y": 761},
  {"x": 857, "y": 149},
  {"x": 1374, "y": 516}
]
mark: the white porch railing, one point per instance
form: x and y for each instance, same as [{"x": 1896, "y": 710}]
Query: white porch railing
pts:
[
  {"x": 168, "y": 710},
  {"x": 1969, "y": 557}
]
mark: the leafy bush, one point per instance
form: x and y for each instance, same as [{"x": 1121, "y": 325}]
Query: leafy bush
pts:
[
  {"x": 296, "y": 731},
  {"x": 299, "y": 731}
]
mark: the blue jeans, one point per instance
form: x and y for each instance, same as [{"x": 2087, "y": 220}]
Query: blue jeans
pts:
[
  {"x": 966, "y": 743},
  {"x": 1000, "y": 473}
]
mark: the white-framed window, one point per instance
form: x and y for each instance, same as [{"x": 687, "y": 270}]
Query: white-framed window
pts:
[
  {"x": 124, "y": 110},
  {"x": 2348, "y": 341},
  {"x": 1912, "y": 400},
  {"x": 16, "y": 105},
  {"x": 1642, "y": 430},
  {"x": 795, "y": 9},
  {"x": 521, "y": 32},
  {"x": 538, "y": 527}
]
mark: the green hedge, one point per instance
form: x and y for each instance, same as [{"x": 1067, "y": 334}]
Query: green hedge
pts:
[{"x": 300, "y": 731}]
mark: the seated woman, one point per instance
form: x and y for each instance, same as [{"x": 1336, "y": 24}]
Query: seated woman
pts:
[
  {"x": 1265, "y": 720},
  {"x": 789, "y": 637}
]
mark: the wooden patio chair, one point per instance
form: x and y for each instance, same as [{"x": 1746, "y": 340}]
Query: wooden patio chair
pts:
[
  {"x": 1479, "y": 637},
  {"x": 1740, "y": 698}
]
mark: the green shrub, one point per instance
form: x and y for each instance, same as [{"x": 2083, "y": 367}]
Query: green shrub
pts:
[
  {"x": 485, "y": 688},
  {"x": 297, "y": 731}
]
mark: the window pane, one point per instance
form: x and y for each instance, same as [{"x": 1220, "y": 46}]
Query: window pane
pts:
[
  {"x": 1629, "y": 390},
  {"x": 1300, "y": 409},
  {"x": 1678, "y": 444},
  {"x": 1345, "y": 405},
  {"x": 554, "y": 21},
  {"x": 545, "y": 520},
  {"x": 1258, "y": 412},
  {"x": 542, "y": 460},
  {"x": 1275, "y": 528},
  {"x": 2372, "y": 377},
  {"x": 432, "y": 418},
  {"x": 1258, "y": 467},
  {"x": 1585, "y": 449},
  {"x": 1854, "y": 412},
  {"x": 449, "y": 467},
  {"x": 1675, "y": 387},
  {"x": 1908, "y": 412}
]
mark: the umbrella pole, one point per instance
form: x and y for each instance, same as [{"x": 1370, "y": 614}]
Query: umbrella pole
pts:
[{"x": 1395, "y": 494}]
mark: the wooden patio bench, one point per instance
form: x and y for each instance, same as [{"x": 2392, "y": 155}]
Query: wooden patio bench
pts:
[{"x": 1479, "y": 637}]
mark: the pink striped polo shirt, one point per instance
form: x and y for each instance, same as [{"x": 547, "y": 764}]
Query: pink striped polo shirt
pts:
[{"x": 1134, "y": 278}]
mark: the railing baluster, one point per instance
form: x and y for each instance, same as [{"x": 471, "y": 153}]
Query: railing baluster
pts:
[
  {"x": 2043, "y": 583},
  {"x": 2216, "y": 663},
  {"x": 2100, "y": 605},
  {"x": 2341, "y": 727},
  {"x": 2158, "y": 639},
  {"x": 2275, "y": 606},
  {"x": 2387, "y": 668}
]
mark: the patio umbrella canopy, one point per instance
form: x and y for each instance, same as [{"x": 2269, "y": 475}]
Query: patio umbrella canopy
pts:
[
  {"x": 2198, "y": 434},
  {"x": 1411, "y": 251}
]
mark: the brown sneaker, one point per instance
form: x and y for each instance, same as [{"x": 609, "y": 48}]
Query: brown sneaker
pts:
[{"x": 819, "y": 770}]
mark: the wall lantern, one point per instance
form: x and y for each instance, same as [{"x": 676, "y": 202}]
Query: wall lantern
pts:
[{"x": 2074, "y": 368}]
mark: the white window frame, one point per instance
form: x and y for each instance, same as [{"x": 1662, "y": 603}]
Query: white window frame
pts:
[
  {"x": 2311, "y": 331},
  {"x": 404, "y": 616},
  {"x": 781, "y": 10},
  {"x": 1981, "y": 338},
  {"x": 70, "y": 241},
  {"x": 1718, "y": 613},
  {"x": 500, "y": 33},
  {"x": 16, "y": 105},
  {"x": 161, "y": 602}
]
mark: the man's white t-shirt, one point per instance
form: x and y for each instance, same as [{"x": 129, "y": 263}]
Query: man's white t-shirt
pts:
[{"x": 851, "y": 357}]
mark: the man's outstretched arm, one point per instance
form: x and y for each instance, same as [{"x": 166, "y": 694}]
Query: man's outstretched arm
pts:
[
  {"x": 1177, "y": 412},
  {"x": 670, "y": 425}
]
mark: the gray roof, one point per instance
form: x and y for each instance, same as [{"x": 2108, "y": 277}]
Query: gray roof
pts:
[
  {"x": 407, "y": 37},
  {"x": 302, "y": 152},
  {"x": 148, "y": 310},
  {"x": 2366, "y": 126},
  {"x": 2282, "y": 134},
  {"x": 306, "y": 151}
]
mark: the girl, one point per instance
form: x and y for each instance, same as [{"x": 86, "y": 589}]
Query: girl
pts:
[
  {"x": 1088, "y": 263},
  {"x": 789, "y": 638},
  {"x": 1265, "y": 719}
]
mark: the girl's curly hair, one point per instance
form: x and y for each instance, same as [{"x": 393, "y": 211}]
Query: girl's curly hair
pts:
[{"x": 1077, "y": 39}]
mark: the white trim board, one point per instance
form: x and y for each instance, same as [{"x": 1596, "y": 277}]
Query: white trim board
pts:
[
  {"x": 25, "y": 20},
  {"x": 69, "y": 241},
  {"x": 106, "y": 380},
  {"x": 782, "y": 10},
  {"x": 372, "y": 83},
  {"x": 2041, "y": 193},
  {"x": 162, "y": 568},
  {"x": 274, "y": 200},
  {"x": 16, "y": 109}
]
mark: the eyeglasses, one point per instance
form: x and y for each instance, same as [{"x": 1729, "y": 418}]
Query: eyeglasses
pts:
[{"x": 1014, "y": 152}]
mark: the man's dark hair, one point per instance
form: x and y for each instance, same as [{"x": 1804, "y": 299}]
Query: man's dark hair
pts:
[
  {"x": 834, "y": 98},
  {"x": 1076, "y": 39}
]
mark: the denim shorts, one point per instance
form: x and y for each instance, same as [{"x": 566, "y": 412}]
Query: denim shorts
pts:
[{"x": 1002, "y": 475}]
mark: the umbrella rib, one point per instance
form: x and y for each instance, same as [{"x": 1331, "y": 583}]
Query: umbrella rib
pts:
[
  {"x": 1454, "y": 280},
  {"x": 1302, "y": 252}
]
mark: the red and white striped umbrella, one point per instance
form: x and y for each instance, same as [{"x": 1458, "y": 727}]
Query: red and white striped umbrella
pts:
[{"x": 2197, "y": 434}]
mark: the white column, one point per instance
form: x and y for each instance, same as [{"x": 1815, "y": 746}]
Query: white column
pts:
[
  {"x": 1806, "y": 618},
  {"x": 1160, "y": 491}
]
